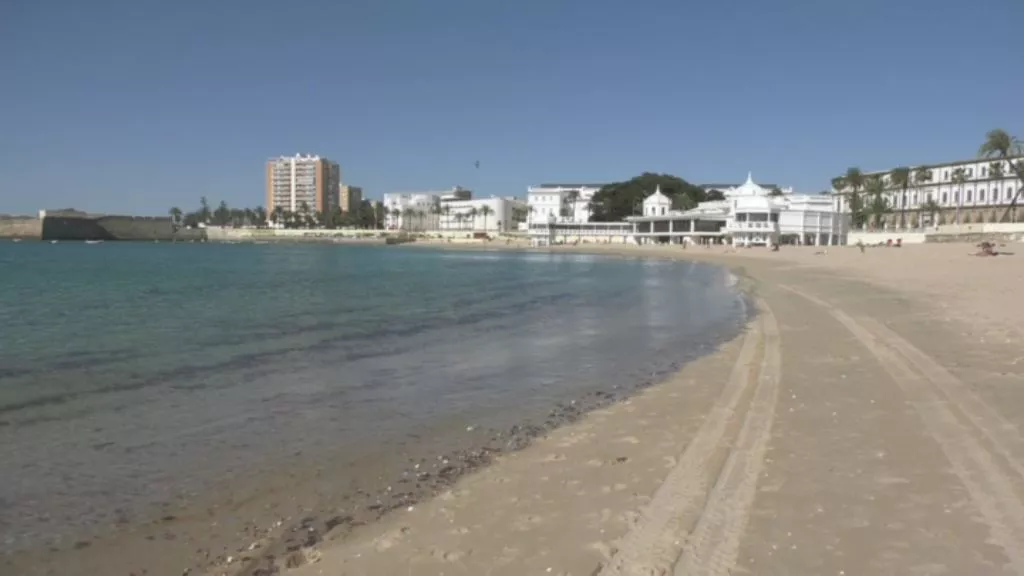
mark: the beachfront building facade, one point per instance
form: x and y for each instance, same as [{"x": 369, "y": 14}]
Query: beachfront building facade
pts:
[
  {"x": 560, "y": 203},
  {"x": 965, "y": 192},
  {"x": 302, "y": 182},
  {"x": 491, "y": 215},
  {"x": 452, "y": 210},
  {"x": 750, "y": 215}
]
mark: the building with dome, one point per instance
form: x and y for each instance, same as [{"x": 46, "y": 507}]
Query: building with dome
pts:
[{"x": 749, "y": 215}]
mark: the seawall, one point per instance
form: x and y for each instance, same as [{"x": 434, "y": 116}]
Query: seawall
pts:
[
  {"x": 22, "y": 227},
  {"x": 139, "y": 228},
  {"x": 215, "y": 234}
]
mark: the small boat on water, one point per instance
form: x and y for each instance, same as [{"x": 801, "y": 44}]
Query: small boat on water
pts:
[
  {"x": 53, "y": 241},
  {"x": 94, "y": 241},
  {"x": 16, "y": 240}
]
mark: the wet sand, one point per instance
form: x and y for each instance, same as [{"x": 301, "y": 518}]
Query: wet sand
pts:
[{"x": 866, "y": 423}]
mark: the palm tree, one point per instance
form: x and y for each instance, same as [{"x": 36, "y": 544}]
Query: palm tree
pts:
[
  {"x": 959, "y": 179},
  {"x": 408, "y": 215},
  {"x": 931, "y": 207},
  {"x": 899, "y": 179},
  {"x": 435, "y": 212},
  {"x": 175, "y": 214},
  {"x": 854, "y": 180},
  {"x": 459, "y": 217},
  {"x": 260, "y": 215},
  {"x": 486, "y": 211},
  {"x": 472, "y": 216},
  {"x": 877, "y": 206},
  {"x": 571, "y": 197},
  {"x": 999, "y": 144},
  {"x": 204, "y": 210},
  {"x": 922, "y": 175},
  {"x": 222, "y": 215},
  {"x": 447, "y": 211}
]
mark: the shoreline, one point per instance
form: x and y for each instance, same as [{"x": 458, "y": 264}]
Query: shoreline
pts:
[
  {"x": 471, "y": 527},
  {"x": 917, "y": 305},
  {"x": 287, "y": 537}
]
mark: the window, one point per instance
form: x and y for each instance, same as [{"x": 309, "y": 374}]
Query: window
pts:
[
  {"x": 662, "y": 210},
  {"x": 945, "y": 175},
  {"x": 956, "y": 197},
  {"x": 1009, "y": 193},
  {"x": 970, "y": 195},
  {"x": 970, "y": 172},
  {"x": 930, "y": 197},
  {"x": 984, "y": 171},
  {"x": 981, "y": 195},
  {"x": 945, "y": 196}
]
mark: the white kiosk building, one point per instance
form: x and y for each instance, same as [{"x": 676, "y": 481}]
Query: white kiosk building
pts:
[{"x": 750, "y": 215}]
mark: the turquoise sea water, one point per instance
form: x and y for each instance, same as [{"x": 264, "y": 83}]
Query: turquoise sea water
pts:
[{"x": 134, "y": 374}]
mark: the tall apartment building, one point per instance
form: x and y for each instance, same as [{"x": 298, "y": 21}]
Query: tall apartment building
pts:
[
  {"x": 350, "y": 198},
  {"x": 294, "y": 180}
]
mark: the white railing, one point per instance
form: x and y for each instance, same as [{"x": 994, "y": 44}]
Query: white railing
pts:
[{"x": 758, "y": 226}]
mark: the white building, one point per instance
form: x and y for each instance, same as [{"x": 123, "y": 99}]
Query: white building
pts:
[
  {"x": 411, "y": 211},
  {"x": 750, "y": 215},
  {"x": 560, "y": 203},
  {"x": 987, "y": 188},
  {"x": 492, "y": 215},
  {"x": 452, "y": 211}
]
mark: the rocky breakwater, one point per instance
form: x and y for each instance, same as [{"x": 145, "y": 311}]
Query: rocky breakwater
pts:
[
  {"x": 75, "y": 225},
  {"x": 21, "y": 227}
]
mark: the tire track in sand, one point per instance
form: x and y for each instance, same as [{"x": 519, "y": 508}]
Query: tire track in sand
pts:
[
  {"x": 988, "y": 484},
  {"x": 1003, "y": 435},
  {"x": 713, "y": 547},
  {"x": 653, "y": 545}
]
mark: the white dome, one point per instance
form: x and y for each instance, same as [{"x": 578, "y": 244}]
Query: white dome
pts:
[{"x": 748, "y": 188}]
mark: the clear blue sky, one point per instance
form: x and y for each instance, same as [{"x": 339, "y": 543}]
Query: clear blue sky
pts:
[{"x": 138, "y": 105}]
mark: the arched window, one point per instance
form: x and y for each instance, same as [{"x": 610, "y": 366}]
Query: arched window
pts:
[
  {"x": 945, "y": 197},
  {"x": 981, "y": 195},
  {"x": 970, "y": 195}
]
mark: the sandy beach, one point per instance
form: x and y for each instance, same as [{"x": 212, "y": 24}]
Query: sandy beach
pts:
[{"x": 866, "y": 423}]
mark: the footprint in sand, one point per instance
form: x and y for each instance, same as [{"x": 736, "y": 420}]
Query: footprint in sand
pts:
[
  {"x": 527, "y": 522},
  {"x": 453, "y": 494},
  {"x": 574, "y": 439},
  {"x": 449, "y": 555},
  {"x": 390, "y": 538},
  {"x": 605, "y": 550}
]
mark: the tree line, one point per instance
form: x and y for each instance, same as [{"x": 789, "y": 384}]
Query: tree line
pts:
[
  {"x": 614, "y": 202},
  {"x": 366, "y": 216},
  {"x": 867, "y": 194}
]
